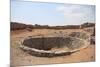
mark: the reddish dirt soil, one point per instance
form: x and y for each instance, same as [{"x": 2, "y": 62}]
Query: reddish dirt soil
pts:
[{"x": 19, "y": 57}]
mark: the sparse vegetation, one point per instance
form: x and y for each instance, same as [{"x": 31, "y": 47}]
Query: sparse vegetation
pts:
[{"x": 19, "y": 26}]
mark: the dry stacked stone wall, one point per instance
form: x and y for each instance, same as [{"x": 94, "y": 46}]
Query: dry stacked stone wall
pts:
[{"x": 41, "y": 46}]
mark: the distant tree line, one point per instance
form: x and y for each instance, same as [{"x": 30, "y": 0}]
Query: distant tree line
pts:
[
  {"x": 87, "y": 24},
  {"x": 20, "y": 26}
]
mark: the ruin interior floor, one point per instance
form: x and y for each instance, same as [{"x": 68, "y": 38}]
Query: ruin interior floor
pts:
[{"x": 19, "y": 57}]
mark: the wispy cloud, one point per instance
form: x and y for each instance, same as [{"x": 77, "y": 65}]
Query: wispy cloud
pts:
[{"x": 76, "y": 13}]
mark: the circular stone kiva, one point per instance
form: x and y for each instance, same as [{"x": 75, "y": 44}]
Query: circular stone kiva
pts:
[{"x": 51, "y": 46}]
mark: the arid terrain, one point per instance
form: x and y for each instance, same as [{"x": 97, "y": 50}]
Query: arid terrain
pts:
[{"x": 19, "y": 57}]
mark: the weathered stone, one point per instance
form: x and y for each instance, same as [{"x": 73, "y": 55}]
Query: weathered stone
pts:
[{"x": 41, "y": 46}]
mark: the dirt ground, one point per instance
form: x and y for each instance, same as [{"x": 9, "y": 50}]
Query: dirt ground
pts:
[{"x": 20, "y": 58}]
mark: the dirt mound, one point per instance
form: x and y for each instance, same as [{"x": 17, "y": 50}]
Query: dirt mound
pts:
[
  {"x": 83, "y": 36},
  {"x": 92, "y": 33}
]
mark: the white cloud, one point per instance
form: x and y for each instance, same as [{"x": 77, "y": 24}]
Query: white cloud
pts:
[
  {"x": 61, "y": 8},
  {"x": 75, "y": 14}
]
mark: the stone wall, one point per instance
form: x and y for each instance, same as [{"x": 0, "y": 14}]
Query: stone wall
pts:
[
  {"x": 52, "y": 42},
  {"x": 41, "y": 46},
  {"x": 79, "y": 35},
  {"x": 46, "y": 43}
]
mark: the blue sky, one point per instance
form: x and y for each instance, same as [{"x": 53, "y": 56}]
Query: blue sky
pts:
[{"x": 51, "y": 13}]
